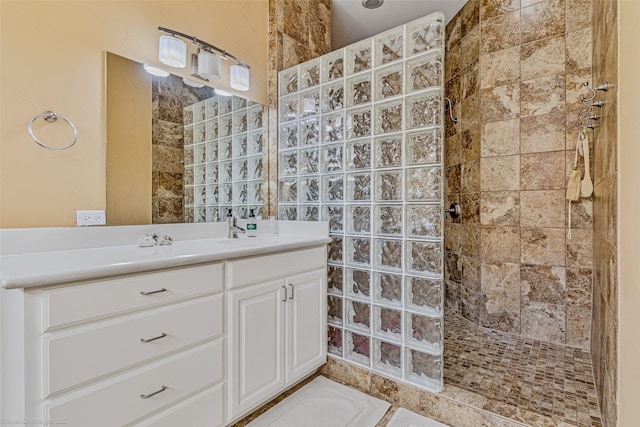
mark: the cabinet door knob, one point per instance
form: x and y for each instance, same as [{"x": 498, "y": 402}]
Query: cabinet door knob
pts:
[
  {"x": 162, "y": 335},
  {"x": 285, "y": 293},
  {"x": 146, "y": 396},
  {"x": 291, "y": 297},
  {"x": 153, "y": 292}
]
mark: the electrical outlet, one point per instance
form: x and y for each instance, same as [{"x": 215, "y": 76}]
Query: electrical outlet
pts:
[{"x": 90, "y": 217}]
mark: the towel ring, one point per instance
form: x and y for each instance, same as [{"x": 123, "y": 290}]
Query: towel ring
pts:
[{"x": 51, "y": 117}]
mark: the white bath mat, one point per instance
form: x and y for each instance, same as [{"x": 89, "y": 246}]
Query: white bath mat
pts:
[
  {"x": 324, "y": 403},
  {"x": 405, "y": 418}
]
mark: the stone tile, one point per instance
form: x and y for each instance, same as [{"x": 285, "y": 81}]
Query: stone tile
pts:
[
  {"x": 293, "y": 52},
  {"x": 525, "y": 416},
  {"x": 470, "y": 47},
  {"x": 453, "y": 31},
  {"x": 449, "y": 412},
  {"x": 469, "y": 17},
  {"x": 579, "y": 49},
  {"x": 542, "y": 246},
  {"x": 395, "y": 393},
  {"x": 452, "y": 237},
  {"x": 470, "y": 77},
  {"x": 169, "y": 184},
  {"x": 463, "y": 396},
  {"x": 541, "y": 283},
  {"x": 453, "y": 267},
  {"x": 298, "y": 28},
  {"x": 575, "y": 89},
  {"x": 500, "y": 67},
  {"x": 500, "y": 308},
  {"x": 605, "y": 270},
  {"x": 470, "y": 239},
  {"x": 543, "y": 58},
  {"x": 470, "y": 144},
  {"x": 471, "y": 273},
  {"x": 167, "y": 159},
  {"x": 450, "y": 199},
  {"x": 578, "y": 14},
  {"x": 170, "y": 210},
  {"x": 501, "y": 32},
  {"x": 579, "y": 290},
  {"x": 543, "y": 95},
  {"x": 491, "y": 420},
  {"x": 543, "y": 133},
  {"x": 500, "y": 103},
  {"x": 500, "y": 208},
  {"x": 542, "y": 208},
  {"x": 470, "y": 304},
  {"x": 452, "y": 298},
  {"x": 320, "y": 27},
  {"x": 348, "y": 374},
  {"x": 493, "y": 8},
  {"x": 582, "y": 214},
  {"x": 500, "y": 244},
  {"x": 542, "y": 171},
  {"x": 500, "y": 138},
  {"x": 452, "y": 150},
  {"x": 470, "y": 177},
  {"x": 453, "y": 64},
  {"x": 470, "y": 118},
  {"x": 543, "y": 321},
  {"x": 580, "y": 248},
  {"x": 452, "y": 175},
  {"x": 500, "y": 173},
  {"x": 470, "y": 205},
  {"x": 542, "y": 20},
  {"x": 167, "y": 133}
]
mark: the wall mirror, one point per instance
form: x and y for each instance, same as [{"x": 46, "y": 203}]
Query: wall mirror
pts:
[{"x": 178, "y": 151}]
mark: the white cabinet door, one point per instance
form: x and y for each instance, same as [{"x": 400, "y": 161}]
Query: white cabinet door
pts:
[
  {"x": 256, "y": 355},
  {"x": 306, "y": 324}
]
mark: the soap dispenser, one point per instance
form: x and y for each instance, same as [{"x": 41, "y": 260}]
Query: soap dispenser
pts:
[{"x": 252, "y": 226}]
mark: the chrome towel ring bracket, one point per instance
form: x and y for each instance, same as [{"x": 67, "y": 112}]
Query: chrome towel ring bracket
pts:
[{"x": 52, "y": 117}]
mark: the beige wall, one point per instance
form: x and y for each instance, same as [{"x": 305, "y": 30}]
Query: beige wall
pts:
[
  {"x": 52, "y": 58},
  {"x": 629, "y": 206}
]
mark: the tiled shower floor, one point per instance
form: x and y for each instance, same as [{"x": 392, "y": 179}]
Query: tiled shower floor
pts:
[{"x": 548, "y": 379}]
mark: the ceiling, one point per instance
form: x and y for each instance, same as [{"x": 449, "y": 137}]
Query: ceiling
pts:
[{"x": 351, "y": 22}]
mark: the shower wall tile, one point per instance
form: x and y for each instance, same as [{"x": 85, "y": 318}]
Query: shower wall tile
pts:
[
  {"x": 575, "y": 90},
  {"x": 471, "y": 273},
  {"x": 543, "y": 95},
  {"x": 544, "y": 246},
  {"x": 501, "y": 138},
  {"x": 542, "y": 20},
  {"x": 540, "y": 283},
  {"x": 544, "y": 321},
  {"x": 500, "y": 208},
  {"x": 500, "y": 244},
  {"x": 501, "y": 32},
  {"x": 500, "y": 307},
  {"x": 500, "y": 67},
  {"x": 579, "y": 303},
  {"x": 500, "y": 103},
  {"x": 542, "y": 208},
  {"x": 580, "y": 248},
  {"x": 543, "y": 57},
  {"x": 500, "y": 173},
  {"x": 470, "y": 304},
  {"x": 579, "y": 49},
  {"x": 470, "y": 176},
  {"x": 542, "y": 133},
  {"x": 549, "y": 177},
  {"x": 470, "y": 45},
  {"x": 493, "y": 8}
]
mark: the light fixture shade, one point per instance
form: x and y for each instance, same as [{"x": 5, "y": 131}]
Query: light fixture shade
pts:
[
  {"x": 222, "y": 92},
  {"x": 155, "y": 71},
  {"x": 172, "y": 51},
  {"x": 192, "y": 83},
  {"x": 239, "y": 78},
  {"x": 209, "y": 65}
]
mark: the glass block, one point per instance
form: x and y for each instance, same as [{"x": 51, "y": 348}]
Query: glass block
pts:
[
  {"x": 333, "y": 128},
  {"x": 387, "y": 289},
  {"x": 187, "y": 115},
  {"x": 238, "y": 102},
  {"x": 387, "y": 323},
  {"x": 388, "y": 82},
  {"x": 423, "y": 369},
  {"x": 424, "y": 109},
  {"x": 287, "y": 213},
  {"x": 335, "y": 215},
  {"x": 388, "y": 220},
  {"x": 358, "y": 154},
  {"x": 188, "y": 175},
  {"x": 254, "y": 117},
  {"x": 359, "y": 89},
  {"x": 225, "y": 125},
  {"x": 358, "y": 251},
  {"x": 424, "y": 221},
  {"x": 332, "y": 188},
  {"x": 423, "y": 35},
  {"x": 388, "y": 151},
  {"x": 200, "y": 214},
  {"x": 359, "y": 187},
  {"x": 255, "y": 167},
  {"x": 212, "y": 194},
  {"x": 388, "y": 185},
  {"x": 359, "y": 122},
  {"x": 335, "y": 249},
  {"x": 212, "y": 151},
  {"x": 425, "y": 71},
  {"x": 334, "y": 341},
  {"x": 188, "y": 215},
  {"x": 211, "y": 105},
  {"x": 240, "y": 121},
  {"x": 240, "y": 193},
  {"x": 334, "y": 310},
  {"x": 359, "y": 56},
  {"x": 225, "y": 148},
  {"x": 288, "y": 163},
  {"x": 199, "y": 111},
  {"x": 213, "y": 214},
  {"x": 358, "y": 219},
  {"x": 239, "y": 145},
  {"x": 310, "y": 190},
  {"x": 188, "y": 155},
  {"x": 357, "y": 348},
  {"x": 335, "y": 279},
  {"x": 288, "y": 81},
  {"x": 308, "y": 161},
  {"x": 357, "y": 315},
  {"x": 211, "y": 129},
  {"x": 332, "y": 66},
  {"x": 423, "y": 258},
  {"x": 310, "y": 103},
  {"x": 424, "y": 183},
  {"x": 254, "y": 189},
  {"x": 310, "y": 132},
  {"x": 288, "y": 136},
  {"x": 388, "y": 117},
  {"x": 225, "y": 169},
  {"x": 199, "y": 153},
  {"x": 224, "y": 105},
  {"x": 254, "y": 142},
  {"x": 288, "y": 108},
  {"x": 224, "y": 210},
  {"x": 257, "y": 210},
  {"x": 200, "y": 133},
  {"x": 240, "y": 169},
  {"x": 309, "y": 213},
  {"x": 200, "y": 195},
  {"x": 388, "y": 254},
  {"x": 388, "y": 46},
  {"x": 288, "y": 190},
  {"x": 310, "y": 74},
  {"x": 387, "y": 358},
  {"x": 333, "y": 97},
  {"x": 226, "y": 193},
  {"x": 358, "y": 284},
  {"x": 423, "y": 147},
  {"x": 241, "y": 211},
  {"x": 423, "y": 332},
  {"x": 188, "y": 135},
  {"x": 424, "y": 295},
  {"x": 200, "y": 174},
  {"x": 332, "y": 158}
]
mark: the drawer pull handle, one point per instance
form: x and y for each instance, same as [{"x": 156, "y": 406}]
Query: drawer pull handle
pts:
[
  {"x": 285, "y": 293},
  {"x": 291, "y": 297},
  {"x": 153, "y": 292},
  {"x": 162, "y": 335},
  {"x": 146, "y": 396}
]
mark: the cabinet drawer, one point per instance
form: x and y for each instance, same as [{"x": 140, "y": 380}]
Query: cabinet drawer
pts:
[
  {"x": 94, "y": 300},
  {"x": 260, "y": 269},
  {"x": 117, "y": 402},
  {"x": 73, "y": 358}
]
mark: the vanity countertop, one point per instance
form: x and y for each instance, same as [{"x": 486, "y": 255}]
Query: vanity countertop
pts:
[{"x": 44, "y": 268}]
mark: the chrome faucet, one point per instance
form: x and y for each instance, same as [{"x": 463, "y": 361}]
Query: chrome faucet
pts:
[{"x": 232, "y": 220}]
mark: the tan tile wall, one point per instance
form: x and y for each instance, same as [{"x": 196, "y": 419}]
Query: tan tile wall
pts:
[
  {"x": 604, "y": 333},
  {"x": 514, "y": 70}
]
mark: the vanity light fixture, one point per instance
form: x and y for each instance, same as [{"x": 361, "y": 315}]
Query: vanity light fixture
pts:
[
  {"x": 192, "y": 83},
  {"x": 206, "y": 64},
  {"x": 155, "y": 71},
  {"x": 372, "y": 4}
]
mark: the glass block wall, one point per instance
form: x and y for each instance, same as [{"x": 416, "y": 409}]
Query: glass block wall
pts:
[
  {"x": 223, "y": 158},
  {"x": 361, "y": 146}
]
